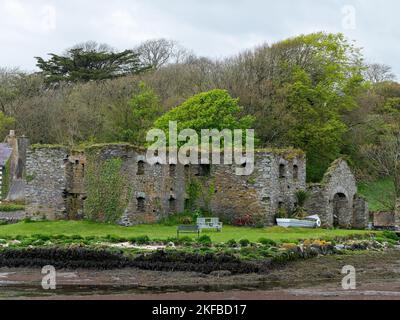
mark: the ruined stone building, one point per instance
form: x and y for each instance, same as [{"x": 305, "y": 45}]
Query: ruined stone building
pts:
[{"x": 54, "y": 185}]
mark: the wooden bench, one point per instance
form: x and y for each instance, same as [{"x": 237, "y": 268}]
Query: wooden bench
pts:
[
  {"x": 209, "y": 223},
  {"x": 188, "y": 229}
]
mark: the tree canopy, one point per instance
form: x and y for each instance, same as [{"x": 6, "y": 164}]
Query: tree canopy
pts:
[
  {"x": 82, "y": 64},
  {"x": 215, "y": 109}
]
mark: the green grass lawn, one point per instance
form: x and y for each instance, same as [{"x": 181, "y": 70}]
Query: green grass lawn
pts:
[
  {"x": 161, "y": 232},
  {"x": 380, "y": 194}
]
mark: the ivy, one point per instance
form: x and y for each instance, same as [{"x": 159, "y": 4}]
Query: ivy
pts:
[
  {"x": 5, "y": 187},
  {"x": 107, "y": 190}
]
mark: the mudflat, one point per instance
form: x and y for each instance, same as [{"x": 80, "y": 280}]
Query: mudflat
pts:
[{"x": 378, "y": 277}]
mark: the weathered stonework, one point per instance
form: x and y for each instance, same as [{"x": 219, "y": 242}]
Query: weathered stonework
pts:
[
  {"x": 56, "y": 187},
  {"x": 273, "y": 184},
  {"x": 336, "y": 201},
  {"x": 46, "y": 182},
  {"x": 384, "y": 220}
]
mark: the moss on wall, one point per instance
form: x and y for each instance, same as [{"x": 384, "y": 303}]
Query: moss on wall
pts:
[
  {"x": 5, "y": 187},
  {"x": 107, "y": 190}
]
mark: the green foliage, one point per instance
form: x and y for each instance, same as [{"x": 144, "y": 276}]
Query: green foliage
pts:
[
  {"x": 391, "y": 235},
  {"x": 200, "y": 191},
  {"x": 244, "y": 242},
  {"x": 132, "y": 123},
  {"x": 380, "y": 194},
  {"x": 215, "y": 109},
  {"x": 107, "y": 190},
  {"x": 267, "y": 242},
  {"x": 317, "y": 91},
  {"x": 205, "y": 240},
  {"x": 179, "y": 218},
  {"x": 232, "y": 243},
  {"x": 6, "y": 124},
  {"x": 99, "y": 232},
  {"x": 282, "y": 214},
  {"x": 194, "y": 191},
  {"x": 5, "y": 188},
  {"x": 10, "y": 207},
  {"x": 85, "y": 65},
  {"x": 140, "y": 240},
  {"x": 301, "y": 198}
]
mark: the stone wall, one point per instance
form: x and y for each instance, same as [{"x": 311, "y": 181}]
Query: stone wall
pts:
[
  {"x": 384, "y": 220},
  {"x": 361, "y": 213},
  {"x": 273, "y": 184},
  {"x": 56, "y": 187},
  {"x": 46, "y": 182},
  {"x": 157, "y": 190},
  {"x": 336, "y": 201}
]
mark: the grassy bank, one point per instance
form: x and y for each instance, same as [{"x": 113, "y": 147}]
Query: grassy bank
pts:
[
  {"x": 160, "y": 232},
  {"x": 380, "y": 194}
]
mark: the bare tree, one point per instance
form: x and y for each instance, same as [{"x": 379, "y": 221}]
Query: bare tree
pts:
[
  {"x": 385, "y": 157},
  {"x": 376, "y": 73},
  {"x": 91, "y": 46},
  {"x": 159, "y": 52}
]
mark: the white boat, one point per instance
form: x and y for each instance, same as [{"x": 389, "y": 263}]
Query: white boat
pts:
[{"x": 309, "y": 222}]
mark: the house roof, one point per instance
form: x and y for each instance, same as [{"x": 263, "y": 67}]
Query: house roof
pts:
[{"x": 5, "y": 153}]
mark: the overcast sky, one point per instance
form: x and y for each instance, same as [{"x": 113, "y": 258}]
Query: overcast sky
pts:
[{"x": 213, "y": 28}]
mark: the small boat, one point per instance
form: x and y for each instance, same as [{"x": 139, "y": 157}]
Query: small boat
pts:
[{"x": 309, "y": 222}]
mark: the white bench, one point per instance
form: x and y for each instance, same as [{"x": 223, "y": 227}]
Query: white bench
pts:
[{"x": 209, "y": 223}]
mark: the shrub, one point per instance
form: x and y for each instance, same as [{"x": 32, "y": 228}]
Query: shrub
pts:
[
  {"x": 391, "y": 235},
  {"x": 246, "y": 220},
  {"x": 76, "y": 237},
  {"x": 185, "y": 240},
  {"x": 232, "y": 243},
  {"x": 205, "y": 240},
  {"x": 140, "y": 240},
  {"x": 281, "y": 214},
  {"x": 115, "y": 239},
  {"x": 41, "y": 237},
  {"x": 244, "y": 242},
  {"x": 267, "y": 242},
  {"x": 28, "y": 220}
]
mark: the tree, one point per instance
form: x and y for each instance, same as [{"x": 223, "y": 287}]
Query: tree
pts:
[
  {"x": 88, "y": 63},
  {"x": 133, "y": 122},
  {"x": 9, "y": 90},
  {"x": 159, "y": 52},
  {"x": 382, "y": 149},
  {"x": 376, "y": 73},
  {"x": 6, "y": 124},
  {"x": 215, "y": 109},
  {"x": 308, "y": 83}
]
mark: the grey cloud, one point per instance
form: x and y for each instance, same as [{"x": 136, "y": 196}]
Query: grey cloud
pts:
[{"x": 213, "y": 28}]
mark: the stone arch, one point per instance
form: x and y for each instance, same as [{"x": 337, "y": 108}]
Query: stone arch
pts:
[{"x": 342, "y": 210}]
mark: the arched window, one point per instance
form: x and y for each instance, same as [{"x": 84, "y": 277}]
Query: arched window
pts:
[
  {"x": 282, "y": 171},
  {"x": 140, "y": 170},
  {"x": 141, "y": 204},
  {"x": 295, "y": 172},
  {"x": 172, "y": 205}
]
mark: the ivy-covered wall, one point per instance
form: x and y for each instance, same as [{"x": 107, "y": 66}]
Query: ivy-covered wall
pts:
[{"x": 113, "y": 183}]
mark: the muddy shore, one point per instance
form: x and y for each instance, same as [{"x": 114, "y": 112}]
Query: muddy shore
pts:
[{"x": 378, "y": 277}]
